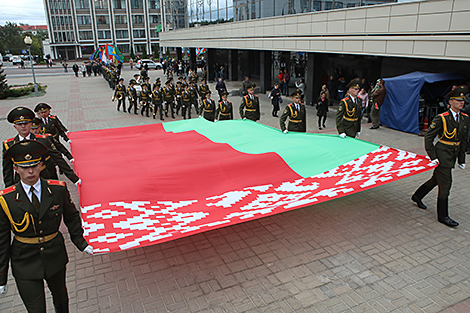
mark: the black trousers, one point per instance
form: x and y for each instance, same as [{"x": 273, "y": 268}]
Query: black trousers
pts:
[
  {"x": 33, "y": 295},
  {"x": 441, "y": 177}
]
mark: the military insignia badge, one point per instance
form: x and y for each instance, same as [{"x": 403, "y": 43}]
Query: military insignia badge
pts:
[
  {"x": 432, "y": 125},
  {"x": 28, "y": 157},
  {"x": 55, "y": 207}
]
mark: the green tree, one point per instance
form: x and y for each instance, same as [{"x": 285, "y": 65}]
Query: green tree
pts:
[
  {"x": 3, "y": 84},
  {"x": 132, "y": 54},
  {"x": 11, "y": 38},
  {"x": 156, "y": 52},
  {"x": 144, "y": 53}
]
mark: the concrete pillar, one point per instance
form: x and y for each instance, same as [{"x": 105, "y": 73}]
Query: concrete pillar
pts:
[
  {"x": 210, "y": 57},
  {"x": 265, "y": 71},
  {"x": 192, "y": 57},
  {"x": 179, "y": 54},
  {"x": 313, "y": 77},
  {"x": 233, "y": 65}
]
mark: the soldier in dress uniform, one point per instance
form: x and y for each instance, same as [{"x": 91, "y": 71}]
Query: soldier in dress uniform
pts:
[
  {"x": 179, "y": 92},
  {"x": 147, "y": 82},
  {"x": 169, "y": 99},
  {"x": 296, "y": 113},
  {"x": 21, "y": 118},
  {"x": 32, "y": 209},
  {"x": 52, "y": 124},
  {"x": 132, "y": 94},
  {"x": 186, "y": 102},
  {"x": 157, "y": 100},
  {"x": 208, "y": 107},
  {"x": 120, "y": 94},
  {"x": 194, "y": 92},
  {"x": 249, "y": 108},
  {"x": 145, "y": 95},
  {"x": 224, "y": 109},
  {"x": 157, "y": 82},
  {"x": 203, "y": 89},
  {"x": 348, "y": 116},
  {"x": 37, "y": 128},
  {"x": 451, "y": 128}
]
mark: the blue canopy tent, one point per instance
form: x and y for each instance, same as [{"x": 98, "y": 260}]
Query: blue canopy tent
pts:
[{"x": 400, "y": 109}]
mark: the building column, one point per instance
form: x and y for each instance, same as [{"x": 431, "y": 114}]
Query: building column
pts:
[
  {"x": 233, "y": 65},
  {"x": 192, "y": 57},
  {"x": 313, "y": 77},
  {"x": 179, "y": 53},
  {"x": 265, "y": 71},
  {"x": 210, "y": 56}
]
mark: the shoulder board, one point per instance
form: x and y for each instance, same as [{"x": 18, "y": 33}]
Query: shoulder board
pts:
[
  {"x": 40, "y": 136},
  {"x": 255, "y": 96},
  {"x": 52, "y": 116},
  {"x": 464, "y": 114},
  {"x": 291, "y": 104},
  {"x": 8, "y": 140},
  {"x": 444, "y": 114},
  {"x": 7, "y": 190},
  {"x": 346, "y": 99},
  {"x": 55, "y": 182},
  {"x": 245, "y": 96}
]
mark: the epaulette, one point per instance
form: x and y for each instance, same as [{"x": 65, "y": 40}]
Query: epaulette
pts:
[
  {"x": 464, "y": 114},
  {"x": 52, "y": 116},
  {"x": 444, "y": 114},
  {"x": 7, "y": 190},
  {"x": 255, "y": 96},
  {"x": 8, "y": 140},
  {"x": 41, "y": 136},
  {"x": 345, "y": 99},
  {"x": 55, "y": 182}
]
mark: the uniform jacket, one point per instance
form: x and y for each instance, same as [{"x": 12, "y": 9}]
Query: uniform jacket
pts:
[
  {"x": 208, "y": 106},
  {"x": 203, "y": 89},
  {"x": 348, "y": 117},
  {"x": 55, "y": 127},
  {"x": 452, "y": 143},
  {"x": 250, "y": 108},
  {"x": 53, "y": 157},
  {"x": 157, "y": 96},
  {"x": 35, "y": 261},
  {"x": 379, "y": 96},
  {"x": 224, "y": 111},
  {"x": 132, "y": 93},
  {"x": 297, "y": 118},
  {"x": 120, "y": 90},
  {"x": 168, "y": 94}
]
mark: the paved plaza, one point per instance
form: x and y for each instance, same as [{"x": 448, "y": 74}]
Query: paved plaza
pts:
[{"x": 373, "y": 251}]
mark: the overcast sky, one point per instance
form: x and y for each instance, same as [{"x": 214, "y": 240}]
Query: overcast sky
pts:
[{"x": 22, "y": 11}]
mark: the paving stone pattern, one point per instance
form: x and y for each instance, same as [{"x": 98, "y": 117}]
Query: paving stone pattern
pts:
[{"x": 374, "y": 251}]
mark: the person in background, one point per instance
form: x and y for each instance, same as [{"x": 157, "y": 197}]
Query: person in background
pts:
[
  {"x": 75, "y": 69},
  {"x": 365, "y": 101},
  {"x": 275, "y": 97},
  {"x": 245, "y": 85},
  {"x": 83, "y": 68},
  {"x": 131, "y": 64},
  {"x": 322, "y": 110},
  {"x": 285, "y": 82},
  {"x": 300, "y": 85},
  {"x": 378, "y": 96},
  {"x": 221, "y": 88},
  {"x": 327, "y": 94}
]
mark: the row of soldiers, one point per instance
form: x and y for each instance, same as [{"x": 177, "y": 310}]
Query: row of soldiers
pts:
[{"x": 111, "y": 74}]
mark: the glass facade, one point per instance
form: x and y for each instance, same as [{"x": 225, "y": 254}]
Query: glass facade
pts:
[{"x": 203, "y": 12}]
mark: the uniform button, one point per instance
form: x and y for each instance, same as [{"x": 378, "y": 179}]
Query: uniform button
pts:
[
  {"x": 56, "y": 214},
  {"x": 42, "y": 249},
  {"x": 41, "y": 231},
  {"x": 40, "y": 222}
]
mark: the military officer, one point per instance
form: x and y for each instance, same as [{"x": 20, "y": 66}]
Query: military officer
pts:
[
  {"x": 208, "y": 107},
  {"x": 348, "y": 116},
  {"x": 224, "y": 109},
  {"x": 193, "y": 95},
  {"x": 296, "y": 114},
  {"x": 451, "y": 128},
  {"x": 21, "y": 118},
  {"x": 157, "y": 100},
  {"x": 145, "y": 95},
  {"x": 147, "y": 83},
  {"x": 32, "y": 209},
  {"x": 169, "y": 98},
  {"x": 120, "y": 94},
  {"x": 37, "y": 128},
  {"x": 132, "y": 94},
  {"x": 203, "y": 89},
  {"x": 179, "y": 92},
  {"x": 249, "y": 108},
  {"x": 52, "y": 124},
  {"x": 186, "y": 102},
  {"x": 157, "y": 82}
]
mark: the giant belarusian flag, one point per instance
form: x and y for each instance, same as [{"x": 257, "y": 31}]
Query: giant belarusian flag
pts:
[{"x": 149, "y": 184}]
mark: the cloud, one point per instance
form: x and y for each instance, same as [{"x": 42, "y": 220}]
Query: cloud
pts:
[{"x": 22, "y": 11}]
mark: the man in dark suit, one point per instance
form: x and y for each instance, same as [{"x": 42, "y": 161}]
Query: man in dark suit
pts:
[
  {"x": 451, "y": 127},
  {"x": 296, "y": 113},
  {"x": 21, "y": 118},
  {"x": 249, "y": 108},
  {"x": 348, "y": 116},
  {"x": 32, "y": 209}
]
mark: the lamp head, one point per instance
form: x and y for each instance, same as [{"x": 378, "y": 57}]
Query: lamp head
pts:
[{"x": 28, "y": 41}]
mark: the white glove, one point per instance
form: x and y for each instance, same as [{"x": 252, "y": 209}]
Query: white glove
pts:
[
  {"x": 215, "y": 121},
  {"x": 3, "y": 291},
  {"x": 342, "y": 135},
  {"x": 462, "y": 166},
  {"x": 69, "y": 142},
  {"x": 200, "y": 116},
  {"x": 72, "y": 160},
  {"x": 78, "y": 183},
  {"x": 67, "y": 132},
  {"x": 244, "y": 118},
  {"x": 358, "y": 134},
  {"x": 88, "y": 250},
  {"x": 434, "y": 162},
  {"x": 286, "y": 131}
]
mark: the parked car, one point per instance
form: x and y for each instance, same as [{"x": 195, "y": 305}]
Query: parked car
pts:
[
  {"x": 16, "y": 60},
  {"x": 151, "y": 64}
]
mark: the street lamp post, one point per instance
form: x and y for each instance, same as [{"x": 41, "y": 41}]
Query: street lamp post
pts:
[{"x": 28, "y": 41}]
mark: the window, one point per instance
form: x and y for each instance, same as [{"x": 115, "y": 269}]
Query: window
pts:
[
  {"x": 137, "y": 4},
  {"x": 101, "y": 4},
  {"x": 72, "y": 36},
  {"x": 122, "y": 33},
  {"x": 119, "y": 4},
  {"x": 120, "y": 19},
  {"x": 85, "y": 34},
  {"x": 87, "y": 49},
  {"x": 153, "y": 33},
  {"x": 155, "y": 19},
  {"x": 139, "y": 47},
  {"x": 61, "y": 20},
  {"x": 123, "y": 48},
  {"x": 56, "y": 37},
  {"x": 104, "y": 34},
  {"x": 83, "y": 20},
  {"x": 139, "y": 33},
  {"x": 82, "y": 4},
  {"x": 53, "y": 20},
  {"x": 102, "y": 19},
  {"x": 137, "y": 19},
  {"x": 154, "y": 4}
]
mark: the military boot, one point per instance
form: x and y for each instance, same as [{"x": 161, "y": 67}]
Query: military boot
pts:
[
  {"x": 443, "y": 213},
  {"x": 419, "y": 195}
]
